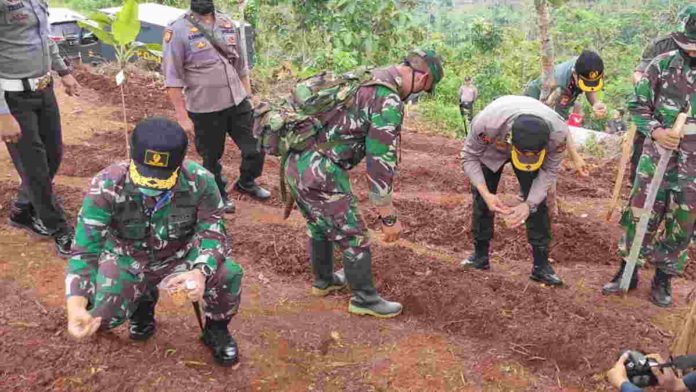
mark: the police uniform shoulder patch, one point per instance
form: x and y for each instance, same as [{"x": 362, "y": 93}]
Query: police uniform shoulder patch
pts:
[
  {"x": 484, "y": 138},
  {"x": 156, "y": 158},
  {"x": 168, "y": 34},
  {"x": 561, "y": 147}
]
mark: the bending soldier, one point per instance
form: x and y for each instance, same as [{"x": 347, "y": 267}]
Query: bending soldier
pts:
[{"x": 318, "y": 180}]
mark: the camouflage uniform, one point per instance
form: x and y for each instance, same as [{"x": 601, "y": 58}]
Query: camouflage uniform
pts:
[
  {"x": 668, "y": 83},
  {"x": 121, "y": 253},
  {"x": 317, "y": 177}
]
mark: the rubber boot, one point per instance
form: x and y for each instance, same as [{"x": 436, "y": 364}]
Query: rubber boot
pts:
[
  {"x": 366, "y": 300},
  {"x": 142, "y": 322},
  {"x": 613, "y": 286},
  {"x": 218, "y": 339},
  {"x": 478, "y": 260},
  {"x": 542, "y": 271},
  {"x": 661, "y": 290},
  {"x": 325, "y": 280}
]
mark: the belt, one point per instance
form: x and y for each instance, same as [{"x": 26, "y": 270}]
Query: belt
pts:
[{"x": 26, "y": 84}]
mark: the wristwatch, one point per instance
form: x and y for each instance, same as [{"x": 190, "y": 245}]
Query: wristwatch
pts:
[
  {"x": 389, "y": 220},
  {"x": 205, "y": 269}
]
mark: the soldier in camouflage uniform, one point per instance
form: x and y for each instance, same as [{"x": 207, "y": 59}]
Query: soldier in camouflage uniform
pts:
[
  {"x": 144, "y": 220},
  {"x": 667, "y": 43},
  {"x": 318, "y": 179},
  {"x": 666, "y": 88}
]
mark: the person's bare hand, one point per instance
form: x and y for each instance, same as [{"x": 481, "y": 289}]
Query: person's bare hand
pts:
[
  {"x": 185, "y": 122},
  {"x": 518, "y": 215},
  {"x": 495, "y": 204},
  {"x": 666, "y": 138},
  {"x": 72, "y": 87},
  {"x": 600, "y": 110},
  {"x": 666, "y": 377},
  {"x": 193, "y": 283},
  {"x": 617, "y": 374},
  {"x": 391, "y": 233},
  {"x": 81, "y": 324},
  {"x": 10, "y": 131}
]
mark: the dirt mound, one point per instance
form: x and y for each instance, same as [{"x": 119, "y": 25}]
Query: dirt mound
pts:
[
  {"x": 279, "y": 247},
  {"x": 543, "y": 327},
  {"x": 102, "y": 150},
  {"x": 145, "y": 94}
]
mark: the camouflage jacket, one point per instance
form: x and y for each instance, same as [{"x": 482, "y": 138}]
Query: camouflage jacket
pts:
[
  {"x": 102, "y": 229},
  {"x": 666, "y": 87},
  {"x": 372, "y": 125}
]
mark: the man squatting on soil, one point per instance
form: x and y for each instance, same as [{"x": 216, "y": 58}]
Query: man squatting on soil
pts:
[
  {"x": 666, "y": 88},
  {"x": 369, "y": 128},
  {"x": 207, "y": 80},
  {"x": 29, "y": 117},
  {"x": 533, "y": 136},
  {"x": 142, "y": 221}
]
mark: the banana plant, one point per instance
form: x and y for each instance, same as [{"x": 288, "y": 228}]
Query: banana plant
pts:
[{"x": 120, "y": 32}]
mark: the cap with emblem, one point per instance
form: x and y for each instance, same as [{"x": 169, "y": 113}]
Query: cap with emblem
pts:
[
  {"x": 530, "y": 136},
  {"x": 158, "y": 148},
  {"x": 590, "y": 70}
]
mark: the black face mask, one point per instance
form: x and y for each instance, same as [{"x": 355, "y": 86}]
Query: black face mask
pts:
[{"x": 202, "y": 7}]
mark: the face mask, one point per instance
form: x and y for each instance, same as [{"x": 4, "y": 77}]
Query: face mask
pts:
[
  {"x": 150, "y": 192},
  {"x": 202, "y": 7}
]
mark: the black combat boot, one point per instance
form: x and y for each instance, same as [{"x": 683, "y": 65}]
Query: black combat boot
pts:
[
  {"x": 252, "y": 189},
  {"x": 64, "y": 238},
  {"x": 478, "y": 260},
  {"x": 22, "y": 217},
  {"x": 366, "y": 300},
  {"x": 542, "y": 271},
  {"x": 216, "y": 336},
  {"x": 661, "y": 290},
  {"x": 142, "y": 322},
  {"x": 613, "y": 286},
  {"x": 325, "y": 280}
]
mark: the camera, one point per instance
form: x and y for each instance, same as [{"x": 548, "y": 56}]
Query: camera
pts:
[{"x": 638, "y": 369}]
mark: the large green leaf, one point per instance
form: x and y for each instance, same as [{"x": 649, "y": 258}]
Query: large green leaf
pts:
[
  {"x": 103, "y": 35},
  {"x": 101, "y": 18},
  {"x": 127, "y": 25}
]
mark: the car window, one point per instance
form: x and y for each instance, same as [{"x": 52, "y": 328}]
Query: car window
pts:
[{"x": 65, "y": 29}]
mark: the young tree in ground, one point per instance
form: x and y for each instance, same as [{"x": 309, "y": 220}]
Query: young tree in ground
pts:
[
  {"x": 120, "y": 32},
  {"x": 548, "y": 82}
]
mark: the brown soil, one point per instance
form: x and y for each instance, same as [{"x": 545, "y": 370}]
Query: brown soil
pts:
[{"x": 466, "y": 331}]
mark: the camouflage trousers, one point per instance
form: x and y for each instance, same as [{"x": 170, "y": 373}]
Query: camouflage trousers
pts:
[
  {"x": 119, "y": 287},
  {"x": 322, "y": 192},
  {"x": 671, "y": 224}
]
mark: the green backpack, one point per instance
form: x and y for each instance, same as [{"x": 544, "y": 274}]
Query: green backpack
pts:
[{"x": 292, "y": 124}]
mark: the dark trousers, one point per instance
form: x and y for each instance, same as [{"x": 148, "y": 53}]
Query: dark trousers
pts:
[
  {"x": 482, "y": 220},
  {"x": 211, "y": 128},
  {"x": 38, "y": 153},
  {"x": 638, "y": 141}
]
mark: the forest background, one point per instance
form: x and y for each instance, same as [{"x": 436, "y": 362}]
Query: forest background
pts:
[{"x": 497, "y": 45}]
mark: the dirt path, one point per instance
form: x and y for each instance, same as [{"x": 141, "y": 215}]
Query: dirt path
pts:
[{"x": 463, "y": 331}]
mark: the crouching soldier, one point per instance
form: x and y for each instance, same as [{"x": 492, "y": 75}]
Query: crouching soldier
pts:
[
  {"x": 142, "y": 221},
  {"x": 532, "y": 136}
]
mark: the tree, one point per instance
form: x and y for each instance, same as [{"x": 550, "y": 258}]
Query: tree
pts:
[
  {"x": 120, "y": 32},
  {"x": 548, "y": 82}
]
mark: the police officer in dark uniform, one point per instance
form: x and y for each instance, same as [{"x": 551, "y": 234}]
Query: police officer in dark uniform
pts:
[
  {"x": 29, "y": 116},
  {"x": 207, "y": 79}
]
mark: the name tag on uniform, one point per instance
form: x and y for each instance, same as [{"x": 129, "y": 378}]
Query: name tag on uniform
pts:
[
  {"x": 195, "y": 36},
  {"x": 11, "y": 6}
]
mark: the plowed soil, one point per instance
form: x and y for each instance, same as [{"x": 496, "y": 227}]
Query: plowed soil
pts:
[{"x": 460, "y": 331}]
